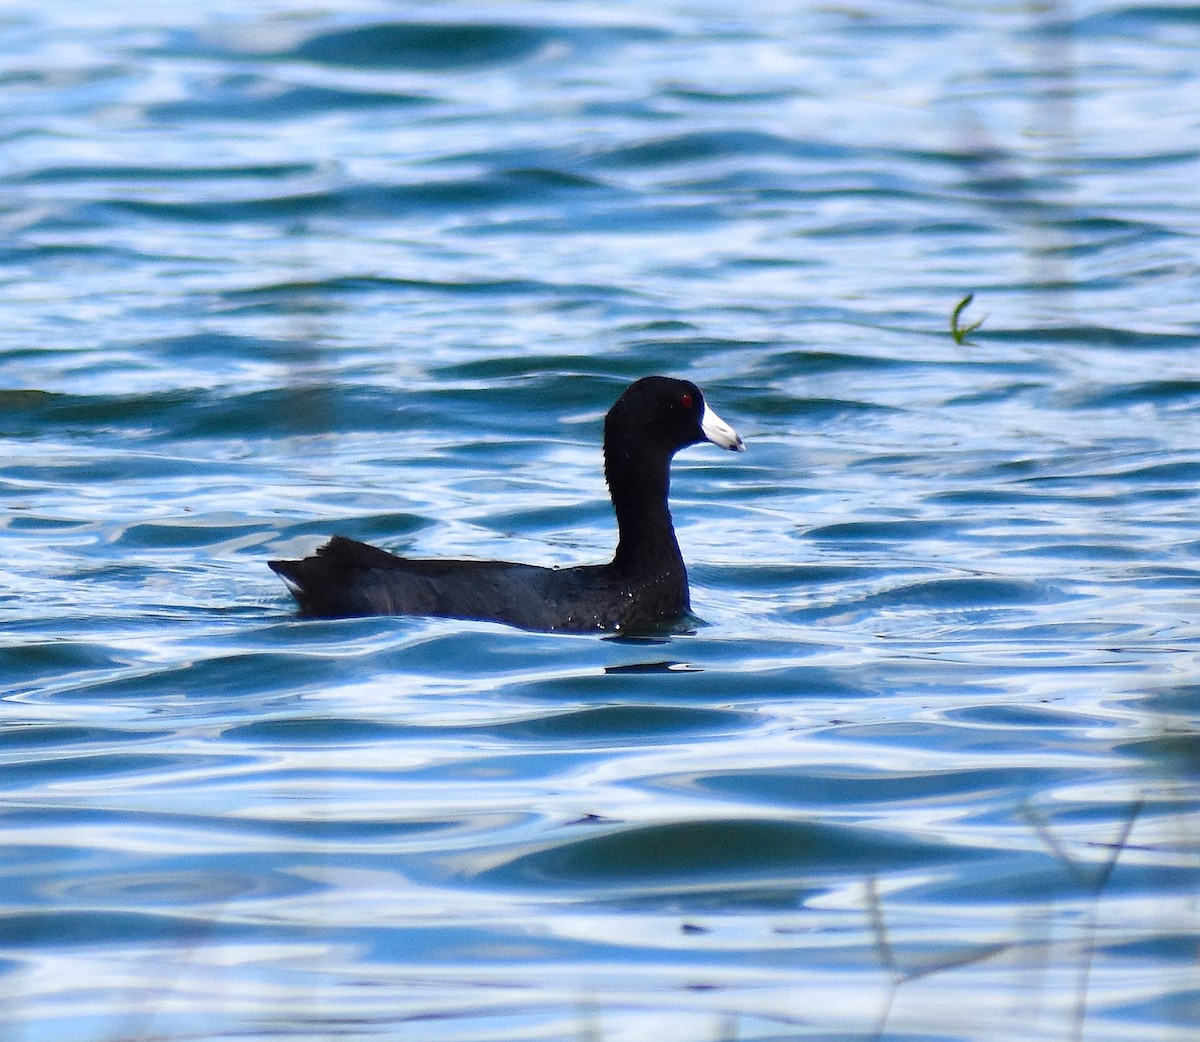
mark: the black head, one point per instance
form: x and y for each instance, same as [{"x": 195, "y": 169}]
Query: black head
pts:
[{"x": 659, "y": 414}]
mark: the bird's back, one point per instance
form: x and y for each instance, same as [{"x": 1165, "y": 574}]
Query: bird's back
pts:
[{"x": 349, "y": 578}]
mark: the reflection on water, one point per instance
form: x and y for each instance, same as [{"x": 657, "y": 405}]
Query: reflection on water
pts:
[{"x": 651, "y": 667}]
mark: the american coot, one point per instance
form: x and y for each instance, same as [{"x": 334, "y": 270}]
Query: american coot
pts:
[{"x": 643, "y": 586}]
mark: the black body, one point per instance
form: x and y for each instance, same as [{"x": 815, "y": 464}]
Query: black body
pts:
[{"x": 644, "y": 586}]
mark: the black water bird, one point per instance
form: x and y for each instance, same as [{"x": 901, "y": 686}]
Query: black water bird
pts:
[{"x": 644, "y": 586}]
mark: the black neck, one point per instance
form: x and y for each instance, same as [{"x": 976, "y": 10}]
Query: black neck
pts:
[{"x": 639, "y": 486}]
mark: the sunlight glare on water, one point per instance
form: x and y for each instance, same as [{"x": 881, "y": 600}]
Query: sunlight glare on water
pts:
[{"x": 926, "y": 766}]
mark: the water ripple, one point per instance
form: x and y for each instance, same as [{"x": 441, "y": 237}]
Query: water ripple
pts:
[{"x": 925, "y": 762}]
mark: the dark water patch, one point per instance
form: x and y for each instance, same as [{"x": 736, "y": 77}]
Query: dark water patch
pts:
[
  {"x": 227, "y": 348},
  {"x": 67, "y": 928},
  {"x": 348, "y": 287},
  {"x": 66, "y": 253},
  {"x": 704, "y": 146},
  {"x": 1176, "y": 472},
  {"x": 952, "y": 738},
  {"x": 693, "y": 854},
  {"x": 943, "y": 230},
  {"x": 257, "y": 862},
  {"x": 627, "y": 722},
  {"x": 1176, "y": 1009},
  {"x": 1095, "y": 336},
  {"x": 772, "y": 193},
  {"x": 1150, "y": 392},
  {"x": 295, "y": 410},
  {"x": 1009, "y": 495},
  {"x": 299, "y": 409},
  {"x": 789, "y": 407},
  {"x": 1140, "y": 161},
  {"x": 1115, "y": 814},
  {"x": 83, "y": 470},
  {"x": 1042, "y": 720},
  {"x": 16, "y": 736},
  {"x": 42, "y": 659},
  {"x": 25, "y": 411},
  {"x": 242, "y": 675},
  {"x": 555, "y": 389},
  {"x": 1097, "y": 238},
  {"x": 997, "y": 395},
  {"x": 711, "y": 93},
  {"x": 579, "y": 378},
  {"x": 1062, "y": 877},
  {"x": 691, "y": 346},
  {"x": 1015, "y": 883},
  {"x": 432, "y": 46},
  {"x": 662, "y": 327},
  {"x": 162, "y": 173},
  {"x": 191, "y": 531},
  {"x": 195, "y": 413},
  {"x": 1129, "y": 21},
  {"x": 975, "y": 592},
  {"x": 552, "y": 519},
  {"x": 1165, "y": 576},
  {"x": 366, "y": 201},
  {"x": 1166, "y": 948},
  {"x": 1175, "y": 753},
  {"x": 439, "y": 650},
  {"x": 1183, "y": 699},
  {"x": 773, "y": 682},
  {"x": 1067, "y": 551},
  {"x": 81, "y": 767},
  {"x": 553, "y": 180},
  {"x": 781, "y": 578},
  {"x": 376, "y": 526},
  {"x": 315, "y": 731},
  {"x": 791, "y": 364},
  {"x": 882, "y": 532},
  {"x": 816, "y": 787},
  {"x": 251, "y": 99}
]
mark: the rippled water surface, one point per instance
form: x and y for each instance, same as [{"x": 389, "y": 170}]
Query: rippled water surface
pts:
[{"x": 927, "y": 769}]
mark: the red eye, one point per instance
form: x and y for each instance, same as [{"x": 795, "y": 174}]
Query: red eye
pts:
[{"x": 686, "y": 400}]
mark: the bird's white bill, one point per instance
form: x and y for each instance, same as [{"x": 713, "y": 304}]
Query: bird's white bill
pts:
[{"x": 719, "y": 432}]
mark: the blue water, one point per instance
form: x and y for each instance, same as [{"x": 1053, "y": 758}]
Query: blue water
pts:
[{"x": 930, "y": 767}]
